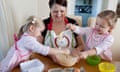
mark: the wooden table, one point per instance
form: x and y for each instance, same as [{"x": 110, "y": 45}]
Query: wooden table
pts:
[{"x": 50, "y": 64}]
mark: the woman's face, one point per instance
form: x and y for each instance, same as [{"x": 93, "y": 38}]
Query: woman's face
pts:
[
  {"x": 58, "y": 12},
  {"x": 102, "y": 25}
]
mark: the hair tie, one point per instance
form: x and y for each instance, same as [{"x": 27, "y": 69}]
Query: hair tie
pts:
[{"x": 34, "y": 19}]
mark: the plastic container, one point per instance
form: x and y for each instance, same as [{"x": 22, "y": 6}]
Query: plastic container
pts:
[
  {"x": 93, "y": 60},
  {"x": 107, "y": 67},
  {"x": 34, "y": 65}
]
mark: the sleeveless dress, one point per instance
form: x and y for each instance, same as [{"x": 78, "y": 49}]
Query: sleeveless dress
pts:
[{"x": 65, "y": 39}]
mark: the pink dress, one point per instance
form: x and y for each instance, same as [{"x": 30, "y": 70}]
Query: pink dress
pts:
[
  {"x": 102, "y": 43},
  {"x": 25, "y": 46}
]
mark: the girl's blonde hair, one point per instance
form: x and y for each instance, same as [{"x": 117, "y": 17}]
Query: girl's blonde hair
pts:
[
  {"x": 32, "y": 20},
  {"x": 110, "y": 16}
]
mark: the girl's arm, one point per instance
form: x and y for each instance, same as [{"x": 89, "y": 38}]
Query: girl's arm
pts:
[
  {"x": 105, "y": 44},
  {"x": 79, "y": 30},
  {"x": 83, "y": 55},
  {"x": 97, "y": 50},
  {"x": 33, "y": 45}
]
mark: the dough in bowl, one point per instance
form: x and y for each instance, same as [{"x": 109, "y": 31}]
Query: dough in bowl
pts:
[{"x": 66, "y": 60}]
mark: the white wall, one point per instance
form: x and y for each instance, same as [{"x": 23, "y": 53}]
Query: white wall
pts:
[
  {"x": 43, "y": 8},
  {"x": 109, "y": 4},
  {"x": 112, "y": 4},
  {"x": 116, "y": 44},
  {"x": 22, "y": 9},
  {"x": 104, "y": 4},
  {"x": 71, "y": 7}
]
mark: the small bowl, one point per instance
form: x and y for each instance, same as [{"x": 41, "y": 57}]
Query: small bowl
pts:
[
  {"x": 93, "y": 60},
  {"x": 107, "y": 67}
]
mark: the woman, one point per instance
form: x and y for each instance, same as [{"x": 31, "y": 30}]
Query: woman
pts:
[{"x": 56, "y": 34}]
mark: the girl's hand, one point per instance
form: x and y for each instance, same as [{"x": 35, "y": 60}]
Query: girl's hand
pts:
[
  {"x": 40, "y": 39},
  {"x": 66, "y": 51},
  {"x": 83, "y": 55},
  {"x": 71, "y": 26}
]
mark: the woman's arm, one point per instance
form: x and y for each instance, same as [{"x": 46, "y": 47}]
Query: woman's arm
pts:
[
  {"x": 33, "y": 45},
  {"x": 78, "y": 38},
  {"x": 80, "y": 43},
  {"x": 80, "y": 46}
]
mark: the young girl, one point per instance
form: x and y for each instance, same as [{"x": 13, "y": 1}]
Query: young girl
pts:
[
  {"x": 23, "y": 48},
  {"x": 98, "y": 39}
]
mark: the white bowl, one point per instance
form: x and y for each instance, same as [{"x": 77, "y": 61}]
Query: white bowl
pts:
[{"x": 34, "y": 65}]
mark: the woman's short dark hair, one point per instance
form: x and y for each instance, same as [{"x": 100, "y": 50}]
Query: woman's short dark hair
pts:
[{"x": 60, "y": 2}]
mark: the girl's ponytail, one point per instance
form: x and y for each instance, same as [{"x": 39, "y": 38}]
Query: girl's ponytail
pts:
[
  {"x": 21, "y": 31},
  {"x": 32, "y": 20}
]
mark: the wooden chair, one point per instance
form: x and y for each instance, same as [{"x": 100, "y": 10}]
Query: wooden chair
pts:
[{"x": 77, "y": 18}]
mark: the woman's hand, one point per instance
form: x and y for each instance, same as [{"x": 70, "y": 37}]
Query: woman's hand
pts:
[
  {"x": 75, "y": 52},
  {"x": 40, "y": 39}
]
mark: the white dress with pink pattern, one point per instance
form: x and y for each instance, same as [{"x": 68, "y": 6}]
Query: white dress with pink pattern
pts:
[
  {"x": 25, "y": 46},
  {"x": 102, "y": 43}
]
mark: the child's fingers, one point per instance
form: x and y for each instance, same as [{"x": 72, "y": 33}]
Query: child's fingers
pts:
[
  {"x": 69, "y": 26},
  {"x": 67, "y": 51},
  {"x": 83, "y": 55}
]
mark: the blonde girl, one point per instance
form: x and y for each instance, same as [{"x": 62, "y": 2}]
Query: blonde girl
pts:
[
  {"x": 27, "y": 44},
  {"x": 99, "y": 38}
]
